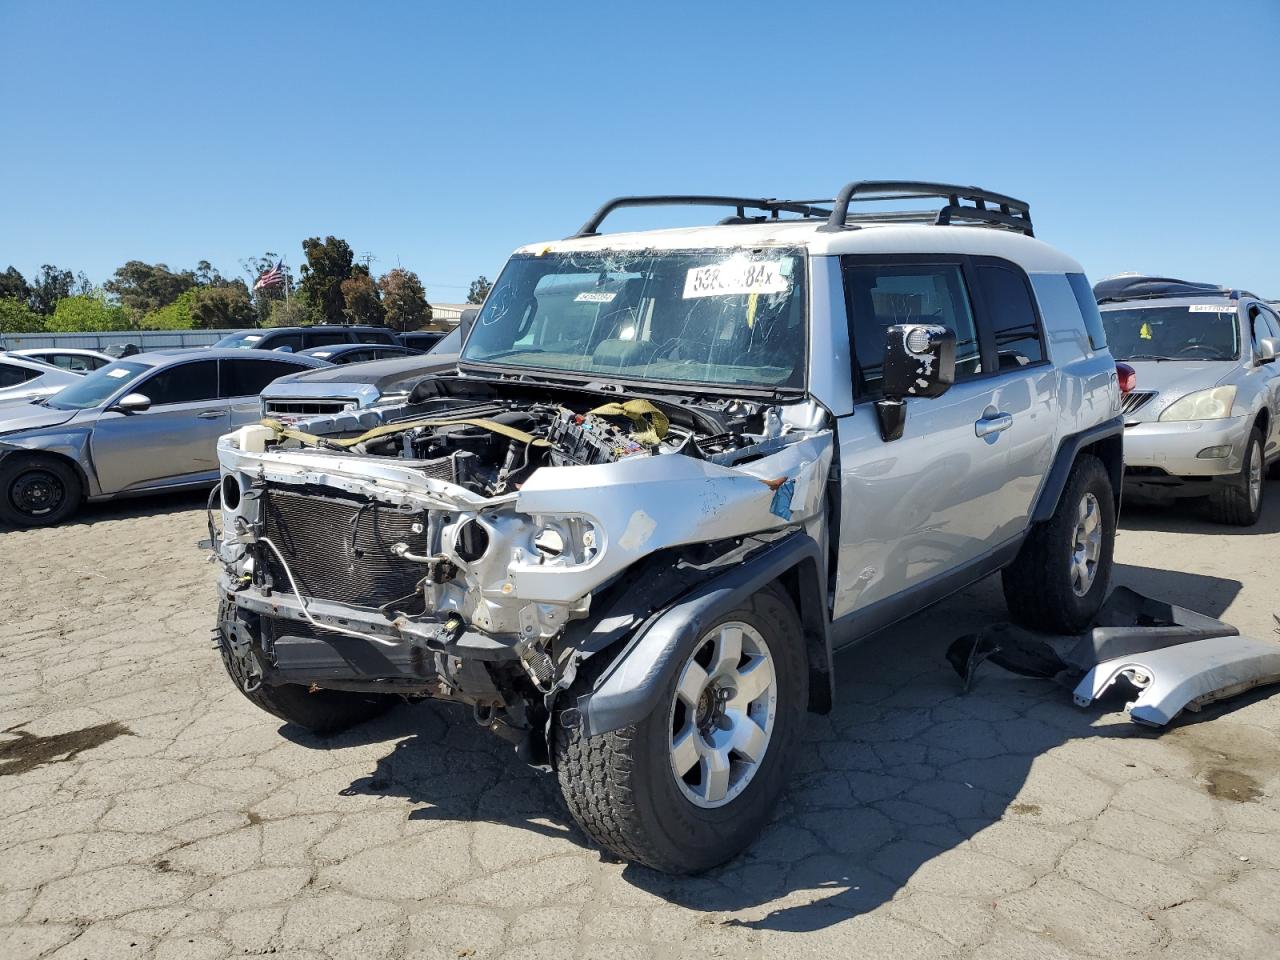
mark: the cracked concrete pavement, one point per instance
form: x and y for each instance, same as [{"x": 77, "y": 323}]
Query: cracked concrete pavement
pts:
[{"x": 148, "y": 810}]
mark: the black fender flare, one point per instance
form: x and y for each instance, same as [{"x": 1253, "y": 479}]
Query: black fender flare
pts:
[
  {"x": 631, "y": 686},
  {"x": 1106, "y": 440}
]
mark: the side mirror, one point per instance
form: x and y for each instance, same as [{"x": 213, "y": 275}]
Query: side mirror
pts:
[
  {"x": 919, "y": 361},
  {"x": 284, "y": 349},
  {"x": 132, "y": 403},
  {"x": 1268, "y": 349}
]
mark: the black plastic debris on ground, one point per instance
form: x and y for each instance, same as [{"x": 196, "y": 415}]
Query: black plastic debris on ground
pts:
[{"x": 1128, "y": 623}]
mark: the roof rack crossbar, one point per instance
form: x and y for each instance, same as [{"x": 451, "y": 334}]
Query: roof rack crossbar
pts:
[
  {"x": 1011, "y": 212},
  {"x": 740, "y": 204}
]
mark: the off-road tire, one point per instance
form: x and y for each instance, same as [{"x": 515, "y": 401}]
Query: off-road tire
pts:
[
  {"x": 1037, "y": 585},
  {"x": 14, "y": 468},
  {"x": 323, "y": 712},
  {"x": 619, "y": 786},
  {"x": 1229, "y": 501}
]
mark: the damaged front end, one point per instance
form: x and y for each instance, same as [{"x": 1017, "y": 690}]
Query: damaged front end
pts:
[{"x": 441, "y": 548}]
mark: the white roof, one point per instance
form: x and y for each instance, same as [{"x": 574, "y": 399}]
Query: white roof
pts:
[{"x": 1032, "y": 255}]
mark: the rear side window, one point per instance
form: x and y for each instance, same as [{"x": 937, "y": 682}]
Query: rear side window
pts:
[
  {"x": 291, "y": 340},
  {"x": 327, "y": 338},
  {"x": 184, "y": 383},
  {"x": 376, "y": 336},
  {"x": 12, "y": 376},
  {"x": 1088, "y": 309},
  {"x": 1012, "y": 315},
  {"x": 882, "y": 295},
  {"x": 247, "y": 378}
]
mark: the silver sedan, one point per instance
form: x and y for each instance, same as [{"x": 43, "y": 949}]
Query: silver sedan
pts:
[
  {"x": 146, "y": 423},
  {"x": 23, "y": 379}
]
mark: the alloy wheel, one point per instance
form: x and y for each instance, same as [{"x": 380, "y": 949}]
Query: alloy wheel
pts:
[
  {"x": 1086, "y": 545},
  {"x": 722, "y": 715}
]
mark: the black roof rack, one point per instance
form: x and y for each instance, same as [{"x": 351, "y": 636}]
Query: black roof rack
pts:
[
  {"x": 983, "y": 206},
  {"x": 770, "y": 207},
  {"x": 1007, "y": 212},
  {"x": 1138, "y": 287}
]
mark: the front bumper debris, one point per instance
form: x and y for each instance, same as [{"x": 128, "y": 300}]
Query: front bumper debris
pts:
[
  {"x": 1185, "y": 677},
  {"x": 1175, "y": 658}
]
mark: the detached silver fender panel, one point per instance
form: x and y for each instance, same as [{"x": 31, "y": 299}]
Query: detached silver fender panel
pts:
[{"x": 1186, "y": 676}]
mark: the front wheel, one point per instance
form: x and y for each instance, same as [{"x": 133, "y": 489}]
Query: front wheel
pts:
[
  {"x": 321, "y": 712},
  {"x": 1060, "y": 577},
  {"x": 38, "y": 491},
  {"x": 1239, "y": 501},
  {"x": 693, "y": 783}
]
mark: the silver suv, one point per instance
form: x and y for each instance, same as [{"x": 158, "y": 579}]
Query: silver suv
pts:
[
  {"x": 1204, "y": 418},
  {"x": 674, "y": 472}
]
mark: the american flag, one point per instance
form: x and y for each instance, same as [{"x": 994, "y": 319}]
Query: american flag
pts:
[{"x": 271, "y": 278}]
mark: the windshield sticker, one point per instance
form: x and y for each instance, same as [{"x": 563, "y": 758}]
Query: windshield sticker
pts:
[
  {"x": 600, "y": 297},
  {"x": 118, "y": 373},
  {"x": 1210, "y": 308},
  {"x": 736, "y": 278}
]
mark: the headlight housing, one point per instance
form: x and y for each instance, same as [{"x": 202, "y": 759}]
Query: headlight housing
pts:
[{"x": 1212, "y": 404}]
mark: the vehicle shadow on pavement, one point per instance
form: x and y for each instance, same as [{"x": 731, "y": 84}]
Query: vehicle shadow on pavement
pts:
[
  {"x": 1192, "y": 516},
  {"x": 151, "y": 506},
  {"x": 906, "y": 769}
]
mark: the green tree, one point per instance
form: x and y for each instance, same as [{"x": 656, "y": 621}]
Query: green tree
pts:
[
  {"x": 13, "y": 286},
  {"x": 364, "y": 303},
  {"x": 404, "y": 300},
  {"x": 479, "y": 289},
  {"x": 286, "y": 314},
  {"x": 329, "y": 262},
  {"x": 87, "y": 313},
  {"x": 51, "y": 285},
  {"x": 17, "y": 317},
  {"x": 223, "y": 307},
  {"x": 145, "y": 287},
  {"x": 173, "y": 316}
]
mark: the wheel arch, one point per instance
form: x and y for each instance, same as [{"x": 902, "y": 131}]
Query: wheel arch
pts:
[
  {"x": 19, "y": 454},
  {"x": 1104, "y": 441},
  {"x": 632, "y": 683}
]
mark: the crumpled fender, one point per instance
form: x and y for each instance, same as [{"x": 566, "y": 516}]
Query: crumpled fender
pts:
[
  {"x": 634, "y": 683},
  {"x": 72, "y": 443}
]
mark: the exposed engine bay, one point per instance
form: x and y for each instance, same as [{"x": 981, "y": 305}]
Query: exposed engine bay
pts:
[
  {"x": 491, "y": 448},
  {"x": 459, "y": 535}
]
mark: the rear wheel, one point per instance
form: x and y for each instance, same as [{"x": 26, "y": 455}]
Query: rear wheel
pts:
[
  {"x": 38, "y": 491},
  {"x": 1239, "y": 501},
  {"x": 693, "y": 783},
  {"x": 1062, "y": 572}
]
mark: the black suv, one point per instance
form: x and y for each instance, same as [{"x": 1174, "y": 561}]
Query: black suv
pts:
[{"x": 295, "y": 339}]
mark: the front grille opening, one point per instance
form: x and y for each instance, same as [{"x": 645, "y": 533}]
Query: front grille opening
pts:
[
  {"x": 340, "y": 549},
  {"x": 1135, "y": 400}
]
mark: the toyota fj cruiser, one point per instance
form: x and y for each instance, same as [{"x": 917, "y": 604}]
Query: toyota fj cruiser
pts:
[{"x": 675, "y": 471}]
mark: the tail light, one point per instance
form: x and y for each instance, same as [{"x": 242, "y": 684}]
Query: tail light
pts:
[{"x": 1127, "y": 376}]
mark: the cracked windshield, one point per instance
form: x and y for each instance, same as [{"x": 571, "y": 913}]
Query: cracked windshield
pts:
[{"x": 723, "y": 317}]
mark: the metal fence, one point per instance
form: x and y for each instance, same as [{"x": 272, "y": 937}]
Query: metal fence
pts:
[{"x": 145, "y": 339}]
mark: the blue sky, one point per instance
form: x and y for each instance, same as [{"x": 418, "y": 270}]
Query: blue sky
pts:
[{"x": 1146, "y": 135}]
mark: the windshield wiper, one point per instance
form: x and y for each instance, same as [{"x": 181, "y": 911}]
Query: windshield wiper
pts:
[
  {"x": 511, "y": 353},
  {"x": 1146, "y": 356}
]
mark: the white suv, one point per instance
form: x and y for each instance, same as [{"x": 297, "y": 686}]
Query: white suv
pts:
[{"x": 675, "y": 471}]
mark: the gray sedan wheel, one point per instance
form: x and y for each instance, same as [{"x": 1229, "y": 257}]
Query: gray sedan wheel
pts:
[{"x": 38, "y": 491}]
